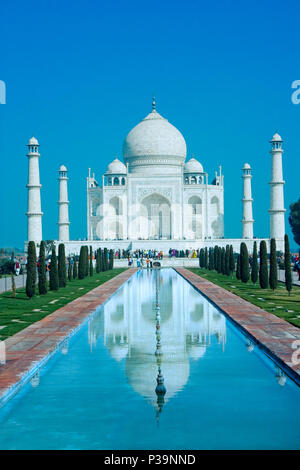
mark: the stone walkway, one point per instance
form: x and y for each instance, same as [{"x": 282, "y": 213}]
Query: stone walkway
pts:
[
  {"x": 276, "y": 336},
  {"x": 26, "y": 349}
]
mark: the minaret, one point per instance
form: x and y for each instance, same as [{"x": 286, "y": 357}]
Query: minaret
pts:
[
  {"x": 277, "y": 210},
  {"x": 63, "y": 204},
  {"x": 34, "y": 213},
  {"x": 247, "y": 220}
]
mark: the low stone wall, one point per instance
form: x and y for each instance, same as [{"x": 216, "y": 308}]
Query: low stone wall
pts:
[
  {"x": 5, "y": 282},
  {"x": 73, "y": 247},
  {"x": 20, "y": 281},
  {"x": 165, "y": 262}
]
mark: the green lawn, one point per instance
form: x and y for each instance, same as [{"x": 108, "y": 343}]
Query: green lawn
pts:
[
  {"x": 278, "y": 302},
  {"x": 16, "y": 313}
]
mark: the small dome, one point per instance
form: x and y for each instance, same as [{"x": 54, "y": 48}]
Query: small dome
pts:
[
  {"x": 62, "y": 168},
  {"x": 246, "y": 166},
  {"x": 276, "y": 138},
  {"x": 119, "y": 351},
  {"x": 196, "y": 351},
  {"x": 193, "y": 166},
  {"x": 33, "y": 141},
  {"x": 116, "y": 167}
]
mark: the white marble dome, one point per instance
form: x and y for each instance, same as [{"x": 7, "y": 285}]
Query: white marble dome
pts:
[
  {"x": 193, "y": 166},
  {"x": 116, "y": 167},
  {"x": 246, "y": 166},
  {"x": 154, "y": 141},
  {"x": 33, "y": 141},
  {"x": 276, "y": 138}
]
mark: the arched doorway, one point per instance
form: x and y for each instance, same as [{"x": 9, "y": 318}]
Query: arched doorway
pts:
[
  {"x": 115, "y": 218},
  {"x": 155, "y": 221},
  {"x": 195, "y": 215}
]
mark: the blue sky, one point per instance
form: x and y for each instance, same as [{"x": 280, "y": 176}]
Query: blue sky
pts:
[{"x": 81, "y": 74}]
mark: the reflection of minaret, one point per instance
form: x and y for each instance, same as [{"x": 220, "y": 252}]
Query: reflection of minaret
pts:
[{"x": 160, "y": 389}]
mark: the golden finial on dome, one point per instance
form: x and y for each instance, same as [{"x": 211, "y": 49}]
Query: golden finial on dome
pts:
[{"x": 153, "y": 103}]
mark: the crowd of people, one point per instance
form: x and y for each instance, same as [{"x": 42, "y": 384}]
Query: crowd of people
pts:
[
  {"x": 155, "y": 254},
  {"x": 145, "y": 258}
]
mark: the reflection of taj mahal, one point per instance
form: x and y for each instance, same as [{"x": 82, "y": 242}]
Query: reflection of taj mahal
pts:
[
  {"x": 188, "y": 323},
  {"x": 155, "y": 195}
]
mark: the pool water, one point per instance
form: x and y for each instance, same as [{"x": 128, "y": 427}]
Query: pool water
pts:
[{"x": 99, "y": 391}]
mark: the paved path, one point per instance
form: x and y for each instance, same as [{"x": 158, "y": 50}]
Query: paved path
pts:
[
  {"x": 276, "y": 336},
  {"x": 28, "y": 347}
]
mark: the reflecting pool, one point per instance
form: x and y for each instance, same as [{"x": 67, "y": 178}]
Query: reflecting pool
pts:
[{"x": 156, "y": 367}]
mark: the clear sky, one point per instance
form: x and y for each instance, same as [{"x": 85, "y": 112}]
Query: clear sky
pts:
[{"x": 81, "y": 74}]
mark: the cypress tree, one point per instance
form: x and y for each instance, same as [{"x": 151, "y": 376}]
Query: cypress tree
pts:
[
  {"x": 31, "y": 270},
  {"x": 69, "y": 270},
  {"x": 254, "y": 270},
  {"x": 244, "y": 261},
  {"x": 263, "y": 265},
  {"x": 75, "y": 270},
  {"x": 53, "y": 271},
  {"x": 219, "y": 267},
  {"x": 215, "y": 257},
  {"x": 238, "y": 267},
  {"x": 97, "y": 261},
  {"x": 42, "y": 270},
  {"x": 205, "y": 258},
  {"x": 231, "y": 260},
  {"x": 210, "y": 259},
  {"x": 91, "y": 262},
  {"x": 62, "y": 275},
  {"x": 223, "y": 260},
  {"x": 111, "y": 259},
  {"x": 273, "y": 279},
  {"x": 201, "y": 258},
  {"x": 86, "y": 261},
  {"x": 81, "y": 267},
  {"x": 105, "y": 260},
  {"x": 13, "y": 285},
  {"x": 227, "y": 271},
  {"x": 100, "y": 261},
  {"x": 287, "y": 265}
]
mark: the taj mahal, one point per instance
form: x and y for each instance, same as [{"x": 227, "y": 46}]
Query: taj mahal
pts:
[{"x": 156, "y": 197}]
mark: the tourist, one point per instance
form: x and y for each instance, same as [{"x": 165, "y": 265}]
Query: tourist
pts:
[
  {"x": 297, "y": 265},
  {"x": 17, "y": 268}
]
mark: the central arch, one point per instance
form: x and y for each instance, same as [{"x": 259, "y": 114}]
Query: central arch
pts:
[
  {"x": 155, "y": 220},
  {"x": 115, "y": 218},
  {"x": 195, "y": 217}
]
